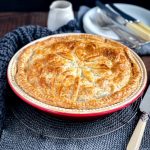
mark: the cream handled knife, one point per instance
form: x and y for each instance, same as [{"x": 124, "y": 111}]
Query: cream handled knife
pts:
[
  {"x": 130, "y": 18},
  {"x": 135, "y": 141},
  {"x": 142, "y": 32}
]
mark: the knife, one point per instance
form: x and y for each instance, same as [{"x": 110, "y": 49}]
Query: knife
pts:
[
  {"x": 135, "y": 28},
  {"x": 137, "y": 135},
  {"x": 130, "y": 18}
]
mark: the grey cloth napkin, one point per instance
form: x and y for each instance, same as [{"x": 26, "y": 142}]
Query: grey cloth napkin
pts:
[{"x": 144, "y": 49}]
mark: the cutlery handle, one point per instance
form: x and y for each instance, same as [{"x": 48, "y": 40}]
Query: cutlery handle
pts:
[
  {"x": 137, "y": 135},
  {"x": 145, "y": 27},
  {"x": 139, "y": 31}
]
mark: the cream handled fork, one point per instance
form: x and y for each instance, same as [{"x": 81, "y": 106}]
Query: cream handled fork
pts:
[
  {"x": 131, "y": 21},
  {"x": 135, "y": 28},
  {"x": 126, "y": 38}
]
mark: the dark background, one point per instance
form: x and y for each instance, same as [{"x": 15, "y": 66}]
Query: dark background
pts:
[{"x": 43, "y": 5}]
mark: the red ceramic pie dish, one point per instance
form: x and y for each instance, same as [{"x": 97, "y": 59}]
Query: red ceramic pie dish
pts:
[{"x": 11, "y": 71}]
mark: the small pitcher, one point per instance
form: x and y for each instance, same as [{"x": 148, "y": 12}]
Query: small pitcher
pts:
[{"x": 60, "y": 13}]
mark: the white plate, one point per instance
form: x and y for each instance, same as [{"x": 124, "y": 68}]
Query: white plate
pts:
[{"x": 135, "y": 11}]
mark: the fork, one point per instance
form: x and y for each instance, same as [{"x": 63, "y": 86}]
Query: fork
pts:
[{"x": 125, "y": 36}]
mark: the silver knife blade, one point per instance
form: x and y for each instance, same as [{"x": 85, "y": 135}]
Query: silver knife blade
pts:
[
  {"x": 145, "y": 103},
  {"x": 118, "y": 18},
  {"x": 122, "y": 13}
]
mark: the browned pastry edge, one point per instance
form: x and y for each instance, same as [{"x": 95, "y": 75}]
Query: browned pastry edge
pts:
[{"x": 54, "y": 100}]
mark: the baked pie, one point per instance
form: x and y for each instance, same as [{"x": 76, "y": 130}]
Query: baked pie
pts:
[{"x": 78, "y": 71}]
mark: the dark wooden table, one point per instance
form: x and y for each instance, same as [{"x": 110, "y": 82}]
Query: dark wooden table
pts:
[{"x": 12, "y": 20}]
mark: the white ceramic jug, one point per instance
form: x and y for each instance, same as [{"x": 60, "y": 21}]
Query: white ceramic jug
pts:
[{"x": 60, "y": 14}]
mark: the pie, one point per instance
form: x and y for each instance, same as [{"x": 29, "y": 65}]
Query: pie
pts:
[{"x": 78, "y": 71}]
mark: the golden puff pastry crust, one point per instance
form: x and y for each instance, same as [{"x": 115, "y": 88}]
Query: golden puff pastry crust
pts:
[{"x": 78, "y": 71}]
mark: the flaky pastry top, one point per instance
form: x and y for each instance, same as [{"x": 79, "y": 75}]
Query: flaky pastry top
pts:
[{"x": 78, "y": 71}]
